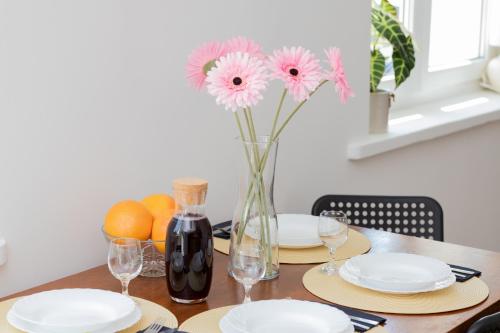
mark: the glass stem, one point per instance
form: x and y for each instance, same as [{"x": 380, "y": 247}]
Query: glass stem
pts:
[
  {"x": 331, "y": 263},
  {"x": 125, "y": 287},
  {"x": 247, "y": 287}
]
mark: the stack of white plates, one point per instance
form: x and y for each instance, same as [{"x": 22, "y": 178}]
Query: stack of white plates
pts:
[
  {"x": 285, "y": 316},
  {"x": 295, "y": 231},
  {"x": 399, "y": 273},
  {"x": 74, "y": 311}
]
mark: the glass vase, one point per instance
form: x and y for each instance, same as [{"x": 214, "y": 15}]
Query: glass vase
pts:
[{"x": 254, "y": 219}]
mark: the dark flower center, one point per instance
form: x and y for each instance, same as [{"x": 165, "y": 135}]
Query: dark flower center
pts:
[
  {"x": 293, "y": 71},
  {"x": 237, "y": 81}
]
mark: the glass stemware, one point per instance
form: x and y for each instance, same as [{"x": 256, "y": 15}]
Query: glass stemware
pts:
[
  {"x": 333, "y": 230},
  {"x": 248, "y": 266},
  {"x": 125, "y": 260}
]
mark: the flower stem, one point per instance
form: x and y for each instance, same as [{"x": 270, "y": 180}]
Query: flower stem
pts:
[
  {"x": 249, "y": 191},
  {"x": 260, "y": 192},
  {"x": 273, "y": 130},
  {"x": 274, "y": 136},
  {"x": 278, "y": 111},
  {"x": 242, "y": 134},
  {"x": 297, "y": 108}
]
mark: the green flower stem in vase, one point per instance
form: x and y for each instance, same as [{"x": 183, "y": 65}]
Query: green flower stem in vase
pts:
[{"x": 254, "y": 218}]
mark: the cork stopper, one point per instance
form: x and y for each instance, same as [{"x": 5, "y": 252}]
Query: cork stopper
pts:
[
  {"x": 190, "y": 191},
  {"x": 190, "y": 184}
]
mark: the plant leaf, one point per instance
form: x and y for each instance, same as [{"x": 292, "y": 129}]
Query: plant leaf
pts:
[
  {"x": 389, "y": 28},
  {"x": 388, "y": 8},
  {"x": 377, "y": 69},
  {"x": 402, "y": 66}
]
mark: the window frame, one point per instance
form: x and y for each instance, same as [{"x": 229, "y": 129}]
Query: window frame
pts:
[{"x": 425, "y": 84}]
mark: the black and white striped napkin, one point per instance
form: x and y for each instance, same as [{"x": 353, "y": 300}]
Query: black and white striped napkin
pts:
[
  {"x": 165, "y": 329},
  {"x": 464, "y": 273},
  {"x": 222, "y": 230},
  {"x": 362, "y": 321}
]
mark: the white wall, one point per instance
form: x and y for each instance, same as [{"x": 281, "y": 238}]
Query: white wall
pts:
[{"x": 94, "y": 108}]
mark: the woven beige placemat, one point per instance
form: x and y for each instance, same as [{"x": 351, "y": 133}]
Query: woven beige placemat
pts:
[
  {"x": 357, "y": 243},
  {"x": 150, "y": 312},
  {"x": 334, "y": 289},
  {"x": 208, "y": 322}
]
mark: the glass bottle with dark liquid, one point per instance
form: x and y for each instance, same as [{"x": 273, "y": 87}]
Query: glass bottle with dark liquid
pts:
[{"x": 189, "y": 253}]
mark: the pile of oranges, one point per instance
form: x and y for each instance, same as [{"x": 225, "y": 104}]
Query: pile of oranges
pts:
[{"x": 143, "y": 220}]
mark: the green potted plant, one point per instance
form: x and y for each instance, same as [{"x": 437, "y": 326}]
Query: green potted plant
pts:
[{"x": 391, "y": 48}]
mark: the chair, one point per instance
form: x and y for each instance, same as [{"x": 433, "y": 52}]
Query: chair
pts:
[
  {"x": 414, "y": 216},
  {"x": 488, "y": 324}
]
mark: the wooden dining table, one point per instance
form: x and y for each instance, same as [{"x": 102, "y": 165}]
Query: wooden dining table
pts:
[{"x": 225, "y": 291}]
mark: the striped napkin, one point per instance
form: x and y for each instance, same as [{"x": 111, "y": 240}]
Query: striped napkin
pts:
[
  {"x": 362, "y": 321},
  {"x": 164, "y": 329},
  {"x": 222, "y": 230},
  {"x": 463, "y": 273}
]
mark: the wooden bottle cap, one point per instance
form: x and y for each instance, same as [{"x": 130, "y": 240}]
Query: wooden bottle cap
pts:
[{"x": 190, "y": 184}]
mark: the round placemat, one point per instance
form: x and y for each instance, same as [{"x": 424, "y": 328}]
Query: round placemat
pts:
[
  {"x": 334, "y": 289},
  {"x": 205, "y": 322},
  {"x": 208, "y": 322},
  {"x": 357, "y": 243},
  {"x": 150, "y": 312}
]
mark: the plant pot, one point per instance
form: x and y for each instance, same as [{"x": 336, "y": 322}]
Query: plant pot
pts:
[
  {"x": 493, "y": 71},
  {"x": 380, "y": 103}
]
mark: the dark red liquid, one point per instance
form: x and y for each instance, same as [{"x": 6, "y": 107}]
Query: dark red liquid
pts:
[{"x": 189, "y": 257}]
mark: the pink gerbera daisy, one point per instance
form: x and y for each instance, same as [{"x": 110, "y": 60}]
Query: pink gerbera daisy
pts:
[
  {"x": 337, "y": 74},
  {"x": 298, "y": 68},
  {"x": 244, "y": 45},
  {"x": 201, "y": 60},
  {"x": 237, "y": 80}
]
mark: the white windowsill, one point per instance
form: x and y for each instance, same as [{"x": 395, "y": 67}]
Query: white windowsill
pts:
[{"x": 429, "y": 121}]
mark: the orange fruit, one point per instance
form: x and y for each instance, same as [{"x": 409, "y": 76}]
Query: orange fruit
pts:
[
  {"x": 159, "y": 233},
  {"x": 159, "y": 205},
  {"x": 129, "y": 219}
]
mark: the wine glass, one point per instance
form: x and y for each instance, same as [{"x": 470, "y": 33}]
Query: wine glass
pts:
[
  {"x": 247, "y": 265},
  {"x": 332, "y": 229},
  {"x": 125, "y": 260}
]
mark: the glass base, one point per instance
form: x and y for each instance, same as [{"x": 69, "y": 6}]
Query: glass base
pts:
[
  {"x": 154, "y": 260},
  {"x": 328, "y": 269},
  {"x": 188, "y": 301},
  {"x": 153, "y": 269},
  {"x": 271, "y": 276}
]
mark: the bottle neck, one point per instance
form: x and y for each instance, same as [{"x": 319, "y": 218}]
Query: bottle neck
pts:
[
  {"x": 191, "y": 210},
  {"x": 190, "y": 202}
]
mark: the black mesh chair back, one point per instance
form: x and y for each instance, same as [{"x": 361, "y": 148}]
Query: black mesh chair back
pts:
[
  {"x": 413, "y": 216},
  {"x": 488, "y": 324}
]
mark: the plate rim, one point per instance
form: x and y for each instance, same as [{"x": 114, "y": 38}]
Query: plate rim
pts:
[
  {"x": 122, "y": 324},
  {"x": 225, "y": 320},
  {"x": 352, "y": 279},
  {"x": 98, "y": 324},
  {"x": 288, "y": 245},
  {"x": 300, "y": 246},
  {"x": 349, "y": 263}
]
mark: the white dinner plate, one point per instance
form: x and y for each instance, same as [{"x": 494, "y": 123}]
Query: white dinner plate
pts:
[
  {"x": 285, "y": 316},
  {"x": 295, "y": 231},
  {"x": 399, "y": 273},
  {"x": 72, "y": 311},
  {"x": 122, "y": 324}
]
